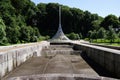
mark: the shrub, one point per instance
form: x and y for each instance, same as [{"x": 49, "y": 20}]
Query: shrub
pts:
[{"x": 73, "y": 36}]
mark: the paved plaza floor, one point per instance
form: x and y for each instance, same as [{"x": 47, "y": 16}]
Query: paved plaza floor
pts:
[{"x": 65, "y": 65}]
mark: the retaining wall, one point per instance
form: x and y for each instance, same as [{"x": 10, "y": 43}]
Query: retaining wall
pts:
[
  {"x": 14, "y": 56},
  {"x": 106, "y": 57}
]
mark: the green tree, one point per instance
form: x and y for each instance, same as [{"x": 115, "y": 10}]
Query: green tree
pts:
[
  {"x": 95, "y": 24},
  {"x": 80, "y": 35},
  {"x": 42, "y": 18},
  {"x": 29, "y": 34},
  {"x": 67, "y": 18},
  {"x": 37, "y": 32},
  {"x": 73, "y": 36},
  {"x": 119, "y": 36},
  {"x": 110, "y": 20},
  {"x": 101, "y": 34},
  {"x": 92, "y": 35},
  {"x": 2, "y": 30},
  {"x": 25, "y": 33},
  {"x": 34, "y": 34},
  {"x": 111, "y": 34},
  {"x": 13, "y": 34}
]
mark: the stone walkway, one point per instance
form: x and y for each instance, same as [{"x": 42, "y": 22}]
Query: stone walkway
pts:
[{"x": 60, "y": 64}]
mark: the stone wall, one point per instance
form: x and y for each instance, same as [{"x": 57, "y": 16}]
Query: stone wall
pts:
[
  {"x": 106, "y": 57},
  {"x": 11, "y": 57}
]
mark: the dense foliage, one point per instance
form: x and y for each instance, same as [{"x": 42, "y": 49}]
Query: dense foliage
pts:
[
  {"x": 73, "y": 36},
  {"x": 103, "y": 34},
  {"x": 2, "y": 31},
  {"x": 23, "y": 21},
  {"x": 16, "y": 15}
]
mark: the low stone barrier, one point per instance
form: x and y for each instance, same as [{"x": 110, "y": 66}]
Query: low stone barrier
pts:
[
  {"x": 106, "y": 57},
  {"x": 61, "y": 77},
  {"x": 14, "y": 56},
  {"x": 107, "y": 46}
]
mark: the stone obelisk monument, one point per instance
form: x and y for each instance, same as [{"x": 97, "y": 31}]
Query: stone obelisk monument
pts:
[{"x": 59, "y": 36}]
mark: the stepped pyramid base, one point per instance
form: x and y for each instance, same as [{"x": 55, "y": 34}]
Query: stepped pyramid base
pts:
[
  {"x": 59, "y": 41},
  {"x": 59, "y": 36}
]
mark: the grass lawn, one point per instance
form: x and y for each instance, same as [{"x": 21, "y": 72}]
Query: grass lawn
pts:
[
  {"x": 111, "y": 44},
  {"x": 107, "y": 42},
  {"x": 114, "y": 44}
]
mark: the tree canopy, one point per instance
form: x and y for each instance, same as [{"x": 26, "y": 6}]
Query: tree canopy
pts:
[
  {"x": 23, "y": 21},
  {"x": 2, "y": 30}
]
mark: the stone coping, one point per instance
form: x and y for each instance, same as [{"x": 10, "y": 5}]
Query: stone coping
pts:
[
  {"x": 14, "y": 47},
  {"x": 100, "y": 48},
  {"x": 74, "y": 76},
  {"x": 102, "y": 45}
]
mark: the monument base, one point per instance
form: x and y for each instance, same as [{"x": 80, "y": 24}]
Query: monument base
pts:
[{"x": 59, "y": 41}]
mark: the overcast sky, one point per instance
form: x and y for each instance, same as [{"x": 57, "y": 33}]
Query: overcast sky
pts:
[{"x": 101, "y": 7}]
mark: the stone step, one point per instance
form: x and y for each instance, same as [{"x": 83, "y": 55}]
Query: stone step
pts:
[{"x": 60, "y": 52}]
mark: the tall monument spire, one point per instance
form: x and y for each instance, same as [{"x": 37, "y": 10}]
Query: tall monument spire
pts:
[
  {"x": 59, "y": 36},
  {"x": 59, "y": 16}
]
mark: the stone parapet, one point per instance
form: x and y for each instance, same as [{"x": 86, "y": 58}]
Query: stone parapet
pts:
[
  {"x": 13, "y": 56},
  {"x": 105, "y": 57},
  {"x": 61, "y": 77},
  {"x": 107, "y": 46}
]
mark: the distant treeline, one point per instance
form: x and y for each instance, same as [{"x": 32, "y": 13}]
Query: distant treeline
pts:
[{"x": 23, "y": 21}]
